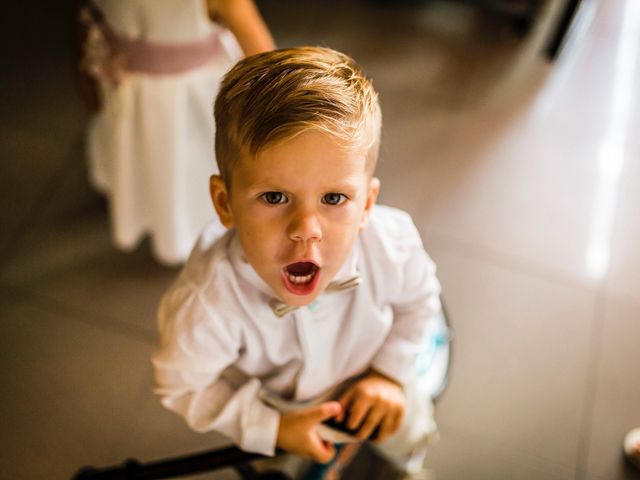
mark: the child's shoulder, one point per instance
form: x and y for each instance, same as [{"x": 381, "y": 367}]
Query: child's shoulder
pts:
[
  {"x": 392, "y": 228},
  {"x": 209, "y": 256},
  {"x": 394, "y": 260},
  {"x": 208, "y": 277},
  {"x": 204, "y": 297},
  {"x": 390, "y": 240}
]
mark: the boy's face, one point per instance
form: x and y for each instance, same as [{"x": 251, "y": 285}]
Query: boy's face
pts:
[{"x": 298, "y": 208}]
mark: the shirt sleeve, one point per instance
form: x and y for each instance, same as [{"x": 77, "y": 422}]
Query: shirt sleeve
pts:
[
  {"x": 196, "y": 347},
  {"x": 412, "y": 290}
]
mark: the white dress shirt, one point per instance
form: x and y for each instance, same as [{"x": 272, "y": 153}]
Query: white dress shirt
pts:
[{"x": 222, "y": 346}]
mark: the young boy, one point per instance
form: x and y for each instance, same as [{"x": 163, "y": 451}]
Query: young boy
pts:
[{"x": 313, "y": 295}]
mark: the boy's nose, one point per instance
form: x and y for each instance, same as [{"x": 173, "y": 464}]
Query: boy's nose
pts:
[{"x": 304, "y": 227}]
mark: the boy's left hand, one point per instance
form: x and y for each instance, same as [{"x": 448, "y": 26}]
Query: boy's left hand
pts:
[{"x": 373, "y": 402}]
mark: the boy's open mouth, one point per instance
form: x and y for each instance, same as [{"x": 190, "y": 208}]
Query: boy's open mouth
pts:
[{"x": 300, "y": 278}]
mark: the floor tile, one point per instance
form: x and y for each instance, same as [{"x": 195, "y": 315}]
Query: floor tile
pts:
[
  {"x": 157, "y": 434},
  {"x": 462, "y": 454},
  {"x": 616, "y": 405},
  {"x": 67, "y": 257},
  {"x": 84, "y": 272},
  {"x": 497, "y": 184},
  {"x": 70, "y": 390},
  {"x": 519, "y": 372},
  {"x": 35, "y": 164}
]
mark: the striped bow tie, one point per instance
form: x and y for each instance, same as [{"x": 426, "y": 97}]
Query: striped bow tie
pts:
[{"x": 281, "y": 309}]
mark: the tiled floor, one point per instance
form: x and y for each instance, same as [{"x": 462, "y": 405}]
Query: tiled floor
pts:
[{"x": 523, "y": 177}]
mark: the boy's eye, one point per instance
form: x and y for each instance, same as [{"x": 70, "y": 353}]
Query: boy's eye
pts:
[
  {"x": 274, "y": 198},
  {"x": 334, "y": 198}
]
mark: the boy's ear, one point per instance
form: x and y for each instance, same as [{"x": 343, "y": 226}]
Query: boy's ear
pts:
[
  {"x": 220, "y": 199},
  {"x": 372, "y": 196}
]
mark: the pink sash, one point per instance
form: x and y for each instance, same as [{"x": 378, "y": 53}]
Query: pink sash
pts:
[
  {"x": 165, "y": 58},
  {"x": 107, "y": 54}
]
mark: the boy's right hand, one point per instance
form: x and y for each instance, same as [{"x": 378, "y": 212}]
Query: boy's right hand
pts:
[{"x": 298, "y": 432}]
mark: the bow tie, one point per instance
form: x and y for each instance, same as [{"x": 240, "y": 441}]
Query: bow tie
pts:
[{"x": 281, "y": 309}]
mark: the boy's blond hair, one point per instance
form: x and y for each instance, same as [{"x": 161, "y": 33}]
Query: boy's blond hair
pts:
[{"x": 273, "y": 96}]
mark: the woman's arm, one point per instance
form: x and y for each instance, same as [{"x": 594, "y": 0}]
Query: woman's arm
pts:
[{"x": 245, "y": 22}]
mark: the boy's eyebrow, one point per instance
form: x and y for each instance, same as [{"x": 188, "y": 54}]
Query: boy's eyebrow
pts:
[
  {"x": 344, "y": 187},
  {"x": 341, "y": 186}
]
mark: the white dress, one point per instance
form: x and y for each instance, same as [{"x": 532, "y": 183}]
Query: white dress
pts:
[{"x": 150, "y": 148}]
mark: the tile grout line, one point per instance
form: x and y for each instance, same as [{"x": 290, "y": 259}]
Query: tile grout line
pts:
[
  {"x": 502, "y": 260},
  {"x": 582, "y": 455},
  {"x": 586, "y": 430},
  {"x": 590, "y": 390}
]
